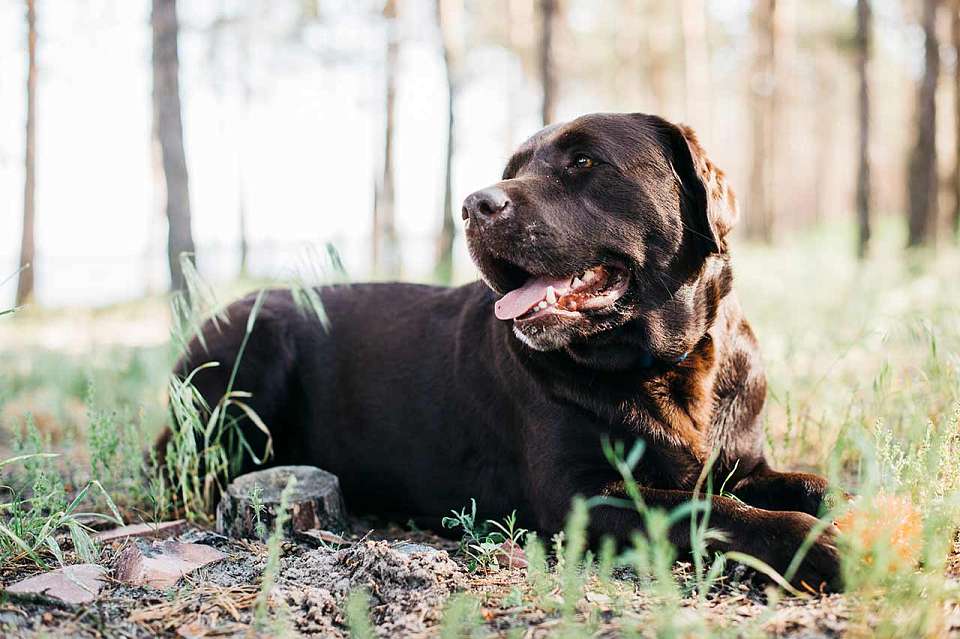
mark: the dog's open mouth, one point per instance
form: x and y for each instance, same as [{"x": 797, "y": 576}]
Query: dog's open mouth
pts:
[{"x": 589, "y": 290}]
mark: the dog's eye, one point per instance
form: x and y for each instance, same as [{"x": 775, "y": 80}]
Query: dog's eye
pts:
[{"x": 582, "y": 161}]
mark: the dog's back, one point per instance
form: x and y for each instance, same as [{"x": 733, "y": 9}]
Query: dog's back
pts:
[{"x": 400, "y": 395}]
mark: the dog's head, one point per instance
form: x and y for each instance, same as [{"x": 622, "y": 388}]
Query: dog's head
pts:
[{"x": 606, "y": 229}]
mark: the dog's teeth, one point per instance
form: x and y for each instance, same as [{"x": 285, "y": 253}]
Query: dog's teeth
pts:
[
  {"x": 551, "y": 295},
  {"x": 589, "y": 276},
  {"x": 542, "y": 305},
  {"x": 577, "y": 282}
]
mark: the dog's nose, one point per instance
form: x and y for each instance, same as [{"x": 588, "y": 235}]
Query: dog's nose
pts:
[{"x": 486, "y": 204}]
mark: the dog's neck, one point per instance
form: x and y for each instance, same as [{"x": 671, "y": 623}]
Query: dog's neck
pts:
[{"x": 617, "y": 356}]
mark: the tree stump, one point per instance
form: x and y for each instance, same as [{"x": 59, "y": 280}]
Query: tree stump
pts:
[{"x": 251, "y": 504}]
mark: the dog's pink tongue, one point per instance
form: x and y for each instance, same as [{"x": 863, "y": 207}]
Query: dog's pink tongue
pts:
[{"x": 519, "y": 301}]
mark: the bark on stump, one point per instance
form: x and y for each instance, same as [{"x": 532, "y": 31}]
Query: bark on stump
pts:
[{"x": 315, "y": 503}]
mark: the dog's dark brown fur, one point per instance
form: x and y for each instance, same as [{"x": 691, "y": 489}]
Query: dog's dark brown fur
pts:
[{"x": 420, "y": 399}]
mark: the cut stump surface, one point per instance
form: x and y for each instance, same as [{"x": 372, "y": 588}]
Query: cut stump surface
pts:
[{"x": 250, "y": 505}]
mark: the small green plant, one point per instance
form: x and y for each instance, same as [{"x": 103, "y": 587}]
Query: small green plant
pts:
[
  {"x": 314, "y": 269},
  {"x": 658, "y": 523},
  {"x": 538, "y": 573},
  {"x": 515, "y": 599},
  {"x": 277, "y": 624},
  {"x": 358, "y": 615},
  {"x": 8, "y": 311},
  {"x": 156, "y": 494},
  {"x": 573, "y": 545},
  {"x": 32, "y": 520},
  {"x": 256, "y": 502},
  {"x": 466, "y": 520},
  {"x": 483, "y": 542},
  {"x": 607, "y": 560},
  {"x": 460, "y": 617},
  {"x": 115, "y": 441}
]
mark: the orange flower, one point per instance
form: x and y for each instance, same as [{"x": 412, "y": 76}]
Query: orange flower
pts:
[{"x": 885, "y": 520}]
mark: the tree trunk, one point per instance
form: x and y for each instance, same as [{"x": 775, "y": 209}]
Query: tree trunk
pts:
[
  {"x": 447, "y": 15},
  {"x": 169, "y": 125},
  {"x": 864, "y": 26},
  {"x": 759, "y": 221},
  {"x": 825, "y": 115},
  {"x": 548, "y": 73},
  {"x": 27, "y": 241},
  {"x": 696, "y": 62},
  {"x": 922, "y": 177},
  {"x": 955, "y": 36},
  {"x": 655, "y": 55},
  {"x": 246, "y": 88},
  {"x": 518, "y": 42},
  {"x": 386, "y": 249},
  {"x": 242, "y": 223}
]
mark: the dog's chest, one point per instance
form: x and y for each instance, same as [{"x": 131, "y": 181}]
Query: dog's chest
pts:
[{"x": 673, "y": 413}]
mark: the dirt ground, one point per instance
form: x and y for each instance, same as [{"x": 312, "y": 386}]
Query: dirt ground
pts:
[
  {"x": 409, "y": 578},
  {"x": 408, "y": 583}
]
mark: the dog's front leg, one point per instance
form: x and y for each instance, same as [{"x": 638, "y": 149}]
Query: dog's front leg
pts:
[
  {"x": 773, "y": 490},
  {"x": 774, "y": 537}
]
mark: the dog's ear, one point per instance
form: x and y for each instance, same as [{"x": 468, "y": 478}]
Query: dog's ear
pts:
[{"x": 715, "y": 209}]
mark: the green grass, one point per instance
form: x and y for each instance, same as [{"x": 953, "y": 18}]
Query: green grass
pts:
[
  {"x": 37, "y": 507},
  {"x": 275, "y": 622},
  {"x": 358, "y": 615},
  {"x": 8, "y": 311},
  {"x": 208, "y": 441},
  {"x": 482, "y": 542},
  {"x": 203, "y": 450},
  {"x": 863, "y": 363}
]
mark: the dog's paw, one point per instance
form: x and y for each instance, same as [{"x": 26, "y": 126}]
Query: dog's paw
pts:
[{"x": 782, "y": 535}]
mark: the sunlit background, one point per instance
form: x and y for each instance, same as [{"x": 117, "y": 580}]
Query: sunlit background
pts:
[{"x": 284, "y": 118}]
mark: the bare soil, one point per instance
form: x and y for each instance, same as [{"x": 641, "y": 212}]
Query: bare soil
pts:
[{"x": 409, "y": 578}]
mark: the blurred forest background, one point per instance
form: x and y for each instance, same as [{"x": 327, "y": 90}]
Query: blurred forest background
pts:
[{"x": 244, "y": 131}]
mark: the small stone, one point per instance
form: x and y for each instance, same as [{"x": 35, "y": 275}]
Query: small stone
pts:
[
  {"x": 205, "y": 537},
  {"x": 410, "y": 548},
  {"x": 510, "y": 555},
  {"x": 322, "y": 537},
  {"x": 11, "y": 619},
  {"x": 75, "y": 584},
  {"x": 597, "y": 597},
  {"x": 161, "y": 529},
  {"x": 315, "y": 503},
  {"x": 162, "y": 564}
]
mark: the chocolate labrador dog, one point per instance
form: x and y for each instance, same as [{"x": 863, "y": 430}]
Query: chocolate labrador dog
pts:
[{"x": 606, "y": 310}]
